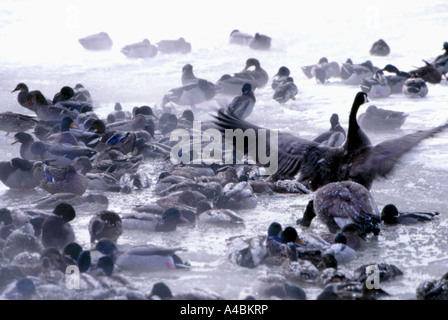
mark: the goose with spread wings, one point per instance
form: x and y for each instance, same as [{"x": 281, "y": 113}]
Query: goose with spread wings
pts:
[{"x": 316, "y": 165}]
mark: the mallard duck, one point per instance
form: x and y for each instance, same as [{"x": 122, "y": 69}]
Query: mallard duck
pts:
[
  {"x": 91, "y": 199},
  {"x": 396, "y": 81},
  {"x": 98, "y": 41},
  {"x": 26, "y": 140},
  {"x": 257, "y": 73},
  {"x": 285, "y": 91},
  {"x": 323, "y": 70},
  {"x": 433, "y": 289},
  {"x": 167, "y": 222},
  {"x": 81, "y": 93},
  {"x": 96, "y": 180},
  {"x": 188, "y": 76},
  {"x": 282, "y": 74},
  {"x": 18, "y": 173},
  {"x": 16, "y": 122},
  {"x": 56, "y": 229},
  {"x": 161, "y": 291},
  {"x": 356, "y": 73},
  {"x": 274, "y": 286},
  {"x": 260, "y": 42},
  {"x": 386, "y": 272},
  {"x": 441, "y": 61},
  {"x": 22, "y": 97},
  {"x": 238, "y": 37},
  {"x": 65, "y": 136},
  {"x": 221, "y": 217},
  {"x": 378, "y": 119},
  {"x": 142, "y": 49},
  {"x": 335, "y": 136},
  {"x": 428, "y": 72},
  {"x": 350, "y": 234},
  {"x": 231, "y": 85},
  {"x": 380, "y": 48},
  {"x": 351, "y": 290},
  {"x": 376, "y": 86},
  {"x": 356, "y": 160},
  {"x": 22, "y": 289},
  {"x": 61, "y": 179},
  {"x": 105, "y": 224},
  {"x": 242, "y": 105},
  {"x": 415, "y": 87},
  {"x": 174, "y": 46},
  {"x": 59, "y": 154},
  {"x": 391, "y": 216},
  {"x": 138, "y": 122},
  {"x": 338, "y": 204},
  {"x": 191, "y": 94},
  {"x": 236, "y": 196},
  {"x": 145, "y": 258},
  {"x": 45, "y": 111},
  {"x": 340, "y": 250}
]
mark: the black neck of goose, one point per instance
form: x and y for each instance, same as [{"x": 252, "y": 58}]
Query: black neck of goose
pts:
[{"x": 356, "y": 138}]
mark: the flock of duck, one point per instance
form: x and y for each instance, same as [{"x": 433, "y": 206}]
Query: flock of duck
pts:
[{"x": 77, "y": 157}]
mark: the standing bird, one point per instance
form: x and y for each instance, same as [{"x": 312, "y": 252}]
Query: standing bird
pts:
[
  {"x": 242, "y": 105},
  {"x": 188, "y": 76},
  {"x": 22, "y": 97},
  {"x": 282, "y": 74}
]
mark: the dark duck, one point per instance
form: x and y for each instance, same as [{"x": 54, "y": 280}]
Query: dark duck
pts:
[{"x": 356, "y": 160}]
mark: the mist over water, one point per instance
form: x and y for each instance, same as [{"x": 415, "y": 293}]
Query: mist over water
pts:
[{"x": 39, "y": 41}]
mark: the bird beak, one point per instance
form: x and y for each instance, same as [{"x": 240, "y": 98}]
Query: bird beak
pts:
[
  {"x": 15, "y": 141},
  {"x": 73, "y": 125},
  {"x": 299, "y": 241}
]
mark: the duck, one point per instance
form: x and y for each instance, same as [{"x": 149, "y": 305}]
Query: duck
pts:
[
  {"x": 335, "y": 136},
  {"x": 238, "y": 37},
  {"x": 26, "y": 140},
  {"x": 379, "y": 119},
  {"x": 22, "y": 97},
  {"x": 145, "y": 258},
  {"x": 323, "y": 70},
  {"x": 161, "y": 291},
  {"x": 179, "y": 45},
  {"x": 275, "y": 286},
  {"x": 138, "y": 122},
  {"x": 260, "y": 42},
  {"x": 310, "y": 70},
  {"x": 338, "y": 204},
  {"x": 358, "y": 160},
  {"x": 45, "y": 111},
  {"x": 257, "y": 73},
  {"x": 428, "y": 72},
  {"x": 221, "y": 217},
  {"x": 142, "y": 49},
  {"x": 22, "y": 289},
  {"x": 356, "y": 73},
  {"x": 18, "y": 173},
  {"x": 16, "y": 122},
  {"x": 60, "y": 179},
  {"x": 441, "y": 61},
  {"x": 342, "y": 252},
  {"x": 415, "y": 87},
  {"x": 65, "y": 136},
  {"x": 376, "y": 86},
  {"x": 105, "y": 224},
  {"x": 97, "y": 41},
  {"x": 56, "y": 229},
  {"x": 167, "y": 222},
  {"x": 82, "y": 94},
  {"x": 236, "y": 196},
  {"x": 282, "y": 74},
  {"x": 231, "y": 85},
  {"x": 380, "y": 48},
  {"x": 90, "y": 199},
  {"x": 101, "y": 181},
  {"x": 191, "y": 94},
  {"x": 350, "y": 234},
  {"x": 188, "y": 76},
  {"x": 386, "y": 272},
  {"x": 433, "y": 289},
  {"x": 397, "y": 80},
  {"x": 242, "y": 106},
  {"x": 391, "y": 216},
  {"x": 60, "y": 154},
  {"x": 350, "y": 290},
  {"x": 285, "y": 91}
]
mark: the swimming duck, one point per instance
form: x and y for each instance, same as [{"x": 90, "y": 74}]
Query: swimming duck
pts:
[
  {"x": 282, "y": 74},
  {"x": 242, "y": 105},
  {"x": 351, "y": 290},
  {"x": 145, "y": 258},
  {"x": 434, "y": 289},
  {"x": 61, "y": 179},
  {"x": 378, "y": 119},
  {"x": 254, "y": 70},
  {"x": 415, "y": 87},
  {"x": 98, "y": 41},
  {"x": 167, "y": 222},
  {"x": 56, "y": 229},
  {"x": 376, "y": 86},
  {"x": 16, "y": 122},
  {"x": 220, "y": 217},
  {"x": 143, "y": 49},
  {"x": 335, "y": 136},
  {"x": 260, "y": 42},
  {"x": 105, "y": 224},
  {"x": 18, "y": 173},
  {"x": 390, "y": 215},
  {"x": 236, "y": 196},
  {"x": 285, "y": 91},
  {"x": 342, "y": 252},
  {"x": 350, "y": 234},
  {"x": 45, "y": 111},
  {"x": 174, "y": 46},
  {"x": 428, "y": 72},
  {"x": 356, "y": 73},
  {"x": 231, "y": 85},
  {"x": 380, "y": 48},
  {"x": 396, "y": 81},
  {"x": 238, "y": 37},
  {"x": 356, "y": 159},
  {"x": 191, "y": 94}
]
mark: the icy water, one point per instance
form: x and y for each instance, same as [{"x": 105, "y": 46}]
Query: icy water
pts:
[{"x": 39, "y": 41}]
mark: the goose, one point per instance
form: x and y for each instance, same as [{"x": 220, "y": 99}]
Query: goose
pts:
[
  {"x": 335, "y": 136},
  {"x": 356, "y": 160},
  {"x": 97, "y": 41},
  {"x": 143, "y": 49}
]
